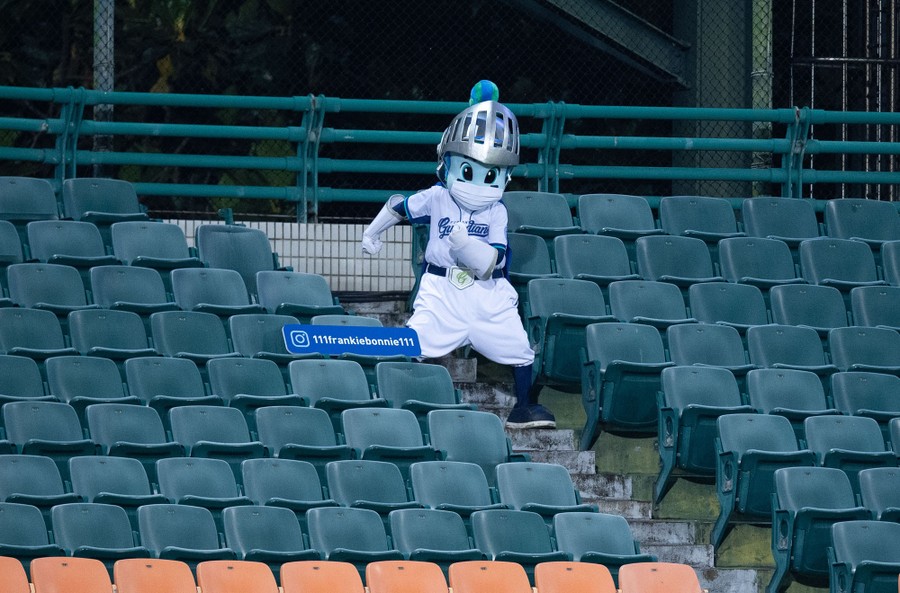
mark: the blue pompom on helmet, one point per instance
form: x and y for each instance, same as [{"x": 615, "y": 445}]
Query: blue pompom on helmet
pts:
[{"x": 486, "y": 131}]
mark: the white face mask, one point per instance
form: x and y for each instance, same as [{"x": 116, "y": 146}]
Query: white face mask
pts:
[{"x": 473, "y": 185}]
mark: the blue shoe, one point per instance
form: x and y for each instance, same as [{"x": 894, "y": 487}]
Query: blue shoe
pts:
[{"x": 530, "y": 416}]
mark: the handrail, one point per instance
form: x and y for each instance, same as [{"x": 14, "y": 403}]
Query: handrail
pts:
[{"x": 312, "y": 126}]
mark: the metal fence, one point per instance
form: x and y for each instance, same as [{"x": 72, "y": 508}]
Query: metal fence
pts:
[{"x": 824, "y": 54}]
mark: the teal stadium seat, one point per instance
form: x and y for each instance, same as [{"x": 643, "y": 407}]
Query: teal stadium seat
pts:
[
  {"x": 181, "y": 532},
  {"x": 285, "y": 483},
  {"x": 24, "y": 199},
  {"x": 69, "y": 243},
  {"x": 890, "y": 262},
  {"x": 841, "y": 263},
  {"x": 760, "y": 262},
  {"x": 256, "y": 335},
  {"x": 164, "y": 383},
  {"x": 622, "y": 216},
  {"x": 266, "y": 534},
  {"x": 457, "y": 486},
  {"x": 600, "y": 259},
  {"x": 876, "y": 306},
  {"x": 860, "y": 561},
  {"x": 681, "y": 261},
  {"x": 709, "y": 345},
  {"x": 701, "y": 217},
  {"x": 199, "y": 337},
  {"x": 875, "y": 395},
  {"x": 792, "y": 393},
  {"x": 543, "y": 488},
  {"x": 529, "y": 258},
  {"x": 10, "y": 253},
  {"x": 33, "y": 333},
  {"x": 430, "y": 535},
  {"x": 780, "y": 346},
  {"x": 84, "y": 380},
  {"x": 212, "y": 290},
  {"x": 94, "y": 530},
  {"x": 539, "y": 213},
  {"x": 386, "y": 434},
  {"x": 791, "y": 221},
  {"x": 20, "y": 380},
  {"x": 857, "y": 348},
  {"x": 871, "y": 221},
  {"x": 237, "y": 248},
  {"x": 819, "y": 307},
  {"x": 649, "y": 302},
  {"x": 158, "y": 245},
  {"x": 113, "y": 334},
  {"x": 199, "y": 482},
  {"x": 50, "y": 287},
  {"x": 299, "y": 294},
  {"x": 373, "y": 485},
  {"x": 130, "y": 288},
  {"x": 879, "y": 491},
  {"x": 101, "y": 201},
  {"x": 33, "y": 480},
  {"x": 24, "y": 535},
  {"x": 343, "y": 534}
]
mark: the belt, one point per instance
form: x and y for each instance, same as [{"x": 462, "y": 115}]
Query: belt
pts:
[{"x": 439, "y": 271}]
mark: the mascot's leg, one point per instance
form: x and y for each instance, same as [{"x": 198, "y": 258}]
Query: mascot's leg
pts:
[{"x": 527, "y": 413}]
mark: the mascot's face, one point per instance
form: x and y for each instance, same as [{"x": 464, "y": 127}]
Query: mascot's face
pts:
[{"x": 472, "y": 184}]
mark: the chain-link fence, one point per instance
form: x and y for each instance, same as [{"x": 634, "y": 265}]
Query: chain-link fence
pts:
[{"x": 826, "y": 54}]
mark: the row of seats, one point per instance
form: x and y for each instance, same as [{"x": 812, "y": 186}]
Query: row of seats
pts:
[{"x": 87, "y": 575}]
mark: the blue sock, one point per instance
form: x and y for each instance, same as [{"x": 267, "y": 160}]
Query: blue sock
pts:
[{"x": 522, "y": 384}]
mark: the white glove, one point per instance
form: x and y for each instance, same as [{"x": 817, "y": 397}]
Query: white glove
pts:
[
  {"x": 371, "y": 245},
  {"x": 459, "y": 235}
]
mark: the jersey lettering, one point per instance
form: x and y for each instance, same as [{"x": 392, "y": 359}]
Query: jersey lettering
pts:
[{"x": 445, "y": 225}]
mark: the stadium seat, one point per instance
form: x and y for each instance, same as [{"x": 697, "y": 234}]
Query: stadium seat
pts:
[
  {"x": 47, "y": 428},
  {"x": 690, "y": 402},
  {"x": 876, "y": 395},
  {"x": 759, "y": 262},
  {"x": 430, "y": 535},
  {"x": 73, "y": 575},
  {"x": 791, "y": 221},
  {"x": 33, "y": 480},
  {"x": 216, "y": 432},
  {"x": 120, "y": 481},
  {"x": 130, "y": 288},
  {"x": 346, "y": 320},
  {"x": 681, "y": 261},
  {"x": 248, "y": 384},
  {"x": 623, "y": 216},
  {"x": 237, "y": 248},
  {"x": 658, "y": 577},
  {"x": 386, "y": 434},
  {"x": 334, "y": 386},
  {"x": 203, "y": 482},
  {"x": 285, "y": 483},
  {"x": 164, "y": 383},
  {"x": 101, "y": 201},
  {"x": 740, "y": 306},
  {"x": 780, "y": 346},
  {"x": 543, "y": 488},
  {"x": 709, "y": 345},
  {"x": 792, "y": 393},
  {"x": 94, "y": 530},
  {"x": 181, "y": 532},
  {"x": 857, "y": 348},
  {"x": 456, "y": 486},
  {"x": 24, "y": 199},
  {"x": 890, "y": 262},
  {"x": 539, "y": 213},
  {"x": 710, "y": 219},
  {"x": 399, "y": 576},
  {"x": 212, "y": 290},
  {"x": 869, "y": 221},
  {"x": 311, "y": 576},
  {"x": 68, "y": 242},
  {"x": 472, "y": 436},
  {"x": 841, "y": 263},
  {"x": 477, "y": 576},
  {"x": 514, "y": 536},
  {"x": 299, "y": 294},
  {"x": 33, "y": 333},
  {"x": 819, "y": 307},
  {"x": 750, "y": 448},
  {"x": 559, "y": 311},
  {"x": 529, "y": 258},
  {"x": 117, "y": 335},
  {"x": 807, "y": 501},
  {"x": 51, "y": 287},
  {"x": 84, "y": 380},
  {"x": 265, "y": 534},
  {"x": 199, "y": 337},
  {"x": 879, "y": 490},
  {"x": 14, "y": 579},
  {"x": 620, "y": 379},
  {"x": 894, "y": 426},
  {"x": 235, "y": 576},
  {"x": 140, "y": 575},
  {"x": 598, "y": 538},
  {"x": 374, "y": 485},
  {"x": 24, "y": 534},
  {"x": 858, "y": 558},
  {"x": 261, "y": 336},
  {"x": 876, "y": 306},
  {"x": 158, "y": 245},
  {"x": 20, "y": 380},
  {"x": 352, "y": 535},
  {"x": 573, "y": 577},
  {"x": 305, "y": 434},
  {"x": 600, "y": 259},
  {"x": 848, "y": 443},
  {"x": 648, "y": 302},
  {"x": 124, "y": 430},
  {"x": 10, "y": 253}
]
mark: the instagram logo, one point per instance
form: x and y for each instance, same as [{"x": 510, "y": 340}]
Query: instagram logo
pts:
[{"x": 299, "y": 339}]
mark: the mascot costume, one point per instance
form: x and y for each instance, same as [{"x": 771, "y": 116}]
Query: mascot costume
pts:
[{"x": 464, "y": 297}]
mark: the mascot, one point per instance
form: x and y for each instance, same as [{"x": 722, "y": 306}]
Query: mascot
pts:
[{"x": 464, "y": 297}]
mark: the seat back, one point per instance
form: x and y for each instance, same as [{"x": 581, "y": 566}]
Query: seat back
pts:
[
  {"x": 286, "y": 479},
  {"x": 237, "y": 248},
  {"x": 476, "y": 576},
  {"x": 357, "y": 480},
  {"x": 20, "y": 377},
  {"x": 177, "y": 526},
  {"x": 86, "y": 524},
  {"x": 875, "y": 305},
  {"x": 229, "y": 377},
  {"x": 134, "y": 241},
  {"x": 599, "y": 212},
  {"x": 296, "y": 293},
  {"x": 190, "y": 476},
  {"x": 85, "y": 196},
  {"x": 14, "y": 579},
  {"x": 858, "y": 347},
  {"x": 864, "y": 393},
  {"x": 573, "y": 577},
  {"x": 500, "y": 530},
  {"x": 313, "y": 576},
  {"x": 404, "y": 576},
  {"x": 850, "y": 218},
  {"x": 120, "y": 286},
  {"x": 522, "y": 484},
  {"x": 813, "y": 487},
  {"x": 890, "y": 261},
  {"x": 743, "y": 259},
  {"x": 284, "y": 425},
  {"x": 779, "y": 218},
  {"x": 739, "y": 305},
  {"x": 548, "y": 296},
  {"x": 678, "y": 215},
  {"x": 663, "y": 256},
  {"x": 879, "y": 489},
  {"x": 391, "y": 427},
  {"x": 268, "y": 528},
  {"x": 112, "y": 423},
  {"x": 332, "y": 528},
  {"x": 69, "y": 575},
  {"x": 821, "y": 307},
  {"x": 658, "y": 577},
  {"x": 22, "y": 525},
  {"x": 399, "y": 382},
  {"x": 537, "y": 209},
  {"x": 208, "y": 286},
  {"x": 34, "y": 284},
  {"x": 456, "y": 483},
  {"x": 630, "y": 299},
  {"x": 828, "y": 258},
  {"x": 471, "y": 436},
  {"x": 10, "y": 246},
  {"x": 848, "y": 433},
  {"x": 144, "y": 575},
  {"x": 428, "y": 529},
  {"x": 591, "y": 256},
  {"x": 858, "y": 542},
  {"x": 253, "y": 334},
  {"x": 177, "y": 332},
  {"x": 34, "y": 329},
  {"x": 332, "y": 378},
  {"x": 630, "y": 342},
  {"x": 71, "y": 377},
  {"x": 109, "y": 331},
  {"x": 49, "y": 238},
  {"x": 354, "y": 320},
  {"x": 774, "y": 390},
  {"x": 710, "y": 386},
  {"x": 32, "y": 475},
  {"x": 23, "y": 199},
  {"x": 41, "y": 420},
  {"x": 194, "y": 424},
  {"x": 150, "y": 376},
  {"x": 93, "y": 475},
  {"x": 769, "y": 345},
  {"x": 580, "y": 533},
  {"x": 235, "y": 576},
  {"x": 528, "y": 254},
  {"x": 703, "y": 343}
]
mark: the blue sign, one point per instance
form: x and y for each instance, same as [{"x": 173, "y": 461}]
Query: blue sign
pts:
[{"x": 355, "y": 339}]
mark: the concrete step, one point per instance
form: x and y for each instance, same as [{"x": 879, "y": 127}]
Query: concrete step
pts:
[
  {"x": 697, "y": 555},
  {"x": 731, "y": 580},
  {"x": 670, "y": 533}
]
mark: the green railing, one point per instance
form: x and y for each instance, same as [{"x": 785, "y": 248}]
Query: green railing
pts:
[{"x": 65, "y": 147}]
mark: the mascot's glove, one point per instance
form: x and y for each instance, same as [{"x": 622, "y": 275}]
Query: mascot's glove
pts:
[
  {"x": 370, "y": 244},
  {"x": 459, "y": 235},
  {"x": 386, "y": 218},
  {"x": 472, "y": 253}
]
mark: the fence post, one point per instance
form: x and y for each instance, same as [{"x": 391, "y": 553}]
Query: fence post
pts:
[{"x": 104, "y": 70}]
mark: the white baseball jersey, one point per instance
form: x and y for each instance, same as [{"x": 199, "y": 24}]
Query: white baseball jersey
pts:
[{"x": 484, "y": 314}]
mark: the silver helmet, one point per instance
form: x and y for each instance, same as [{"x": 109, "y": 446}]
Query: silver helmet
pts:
[{"x": 487, "y": 132}]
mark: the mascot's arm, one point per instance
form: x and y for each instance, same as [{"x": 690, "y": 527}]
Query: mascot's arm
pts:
[
  {"x": 474, "y": 254},
  {"x": 387, "y": 217}
]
